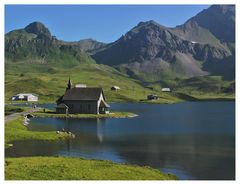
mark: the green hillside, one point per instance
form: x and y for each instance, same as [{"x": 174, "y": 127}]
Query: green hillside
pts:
[
  {"x": 49, "y": 82},
  {"x": 201, "y": 88}
]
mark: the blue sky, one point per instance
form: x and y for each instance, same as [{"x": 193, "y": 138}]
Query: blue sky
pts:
[{"x": 104, "y": 23}]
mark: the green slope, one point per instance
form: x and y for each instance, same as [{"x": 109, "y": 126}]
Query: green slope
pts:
[
  {"x": 198, "y": 88},
  {"x": 49, "y": 82}
]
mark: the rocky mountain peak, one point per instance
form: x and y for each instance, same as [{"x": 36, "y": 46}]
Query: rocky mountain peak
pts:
[
  {"x": 37, "y": 28},
  {"x": 145, "y": 31},
  {"x": 223, "y": 8},
  {"x": 150, "y": 23},
  {"x": 219, "y": 20}
]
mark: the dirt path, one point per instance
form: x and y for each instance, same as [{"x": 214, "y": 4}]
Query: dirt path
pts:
[{"x": 16, "y": 115}]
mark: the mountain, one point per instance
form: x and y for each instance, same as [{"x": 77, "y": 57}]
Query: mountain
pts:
[
  {"x": 35, "y": 43},
  {"x": 196, "y": 48},
  {"x": 217, "y": 21},
  {"x": 90, "y": 46},
  {"x": 203, "y": 45},
  {"x": 38, "y": 29},
  {"x": 214, "y": 26},
  {"x": 191, "y": 59}
]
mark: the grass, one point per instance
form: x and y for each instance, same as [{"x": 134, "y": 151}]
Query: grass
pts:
[
  {"x": 197, "y": 88},
  {"x": 14, "y": 109},
  {"x": 15, "y": 130},
  {"x": 50, "y": 113},
  {"x": 51, "y": 86},
  {"x": 63, "y": 168},
  {"x": 51, "y": 81}
]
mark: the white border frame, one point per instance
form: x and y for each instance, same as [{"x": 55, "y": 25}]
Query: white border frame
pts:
[{"x": 117, "y": 2}]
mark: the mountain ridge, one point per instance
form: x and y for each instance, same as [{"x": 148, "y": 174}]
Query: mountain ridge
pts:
[
  {"x": 152, "y": 42},
  {"x": 192, "y": 49}
]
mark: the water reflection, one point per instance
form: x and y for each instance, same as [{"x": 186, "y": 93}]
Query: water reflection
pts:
[
  {"x": 100, "y": 128},
  {"x": 191, "y": 156}
]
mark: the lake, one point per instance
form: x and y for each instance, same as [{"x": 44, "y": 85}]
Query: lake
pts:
[{"x": 194, "y": 140}]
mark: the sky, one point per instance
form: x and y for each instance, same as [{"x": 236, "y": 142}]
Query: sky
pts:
[{"x": 104, "y": 23}]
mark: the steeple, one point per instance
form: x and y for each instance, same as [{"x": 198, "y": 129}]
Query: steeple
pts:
[{"x": 69, "y": 85}]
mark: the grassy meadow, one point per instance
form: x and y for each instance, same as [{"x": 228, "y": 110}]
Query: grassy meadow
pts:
[
  {"x": 49, "y": 82},
  {"x": 67, "y": 168},
  {"x": 15, "y": 130}
]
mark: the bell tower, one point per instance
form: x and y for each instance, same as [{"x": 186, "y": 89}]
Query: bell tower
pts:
[{"x": 69, "y": 85}]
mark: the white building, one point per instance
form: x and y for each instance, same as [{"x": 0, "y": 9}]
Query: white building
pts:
[
  {"x": 25, "y": 96},
  {"x": 166, "y": 89}
]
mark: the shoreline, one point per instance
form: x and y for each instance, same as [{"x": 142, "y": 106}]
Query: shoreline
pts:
[
  {"x": 85, "y": 116},
  {"x": 189, "y": 98},
  {"x": 15, "y": 130}
]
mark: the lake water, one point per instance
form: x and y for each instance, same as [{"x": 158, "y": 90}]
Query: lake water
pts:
[{"x": 194, "y": 140}]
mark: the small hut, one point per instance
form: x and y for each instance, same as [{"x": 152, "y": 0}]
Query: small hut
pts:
[
  {"x": 115, "y": 88},
  {"x": 152, "y": 97},
  {"x": 25, "y": 97},
  {"x": 166, "y": 89}
]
